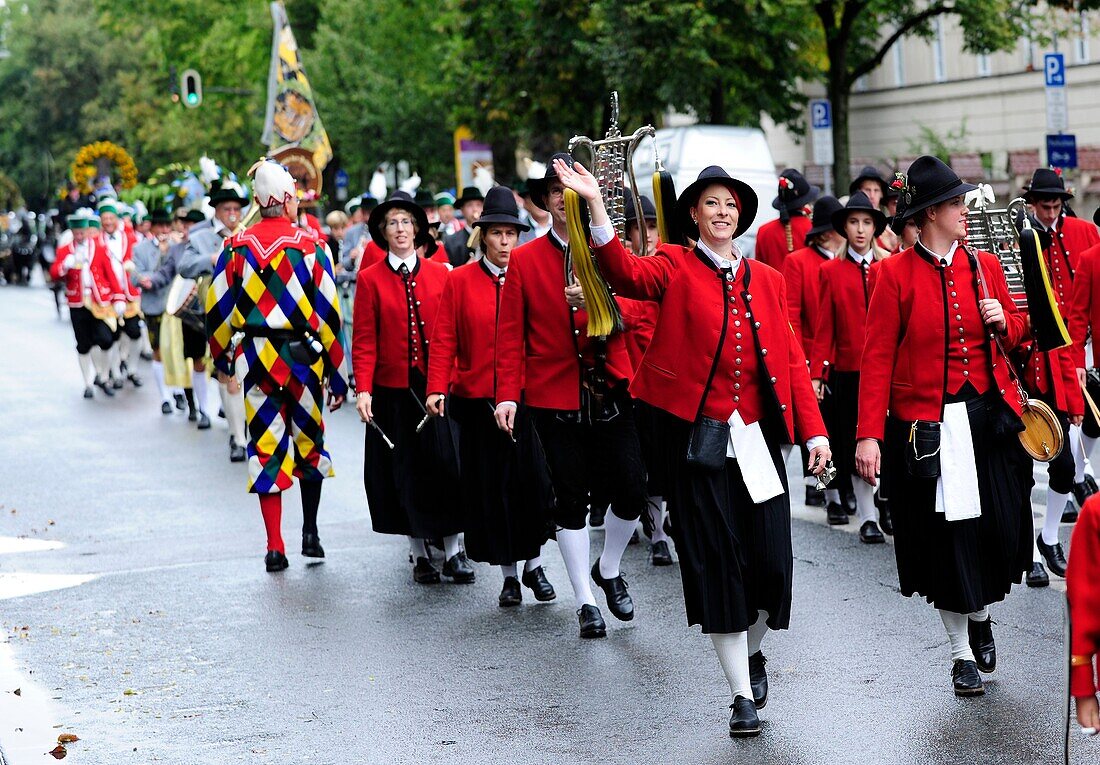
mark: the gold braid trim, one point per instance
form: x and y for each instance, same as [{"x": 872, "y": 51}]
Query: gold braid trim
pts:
[
  {"x": 1080, "y": 661},
  {"x": 790, "y": 237}
]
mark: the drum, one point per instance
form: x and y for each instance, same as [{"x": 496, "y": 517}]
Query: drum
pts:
[{"x": 183, "y": 301}]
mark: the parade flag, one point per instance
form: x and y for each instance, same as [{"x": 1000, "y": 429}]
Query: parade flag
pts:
[{"x": 292, "y": 117}]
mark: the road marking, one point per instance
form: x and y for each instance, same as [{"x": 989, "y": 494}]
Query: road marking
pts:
[
  {"x": 18, "y": 585},
  {"x": 10, "y": 545}
]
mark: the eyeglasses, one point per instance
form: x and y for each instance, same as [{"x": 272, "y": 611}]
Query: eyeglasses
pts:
[{"x": 396, "y": 223}]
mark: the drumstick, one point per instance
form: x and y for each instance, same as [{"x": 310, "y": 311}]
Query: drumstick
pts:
[
  {"x": 1091, "y": 403},
  {"x": 381, "y": 432},
  {"x": 427, "y": 414}
]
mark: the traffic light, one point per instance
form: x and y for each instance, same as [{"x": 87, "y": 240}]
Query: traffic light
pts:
[{"x": 191, "y": 88}]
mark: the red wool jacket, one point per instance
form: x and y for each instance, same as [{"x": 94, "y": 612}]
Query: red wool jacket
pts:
[
  {"x": 1072, "y": 237},
  {"x": 463, "y": 356},
  {"x": 771, "y": 240},
  {"x": 392, "y": 324},
  {"x": 639, "y": 319},
  {"x": 1083, "y": 594},
  {"x": 801, "y": 271},
  {"x": 695, "y": 302},
  {"x": 542, "y": 344},
  {"x": 1084, "y": 312},
  {"x": 105, "y": 285},
  {"x": 905, "y": 361},
  {"x": 841, "y": 317}
]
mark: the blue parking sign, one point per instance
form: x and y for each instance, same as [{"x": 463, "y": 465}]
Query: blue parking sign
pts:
[
  {"x": 821, "y": 114},
  {"x": 1062, "y": 151},
  {"x": 1054, "y": 70}
]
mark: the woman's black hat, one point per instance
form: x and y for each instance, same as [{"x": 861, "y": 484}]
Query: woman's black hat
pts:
[
  {"x": 1047, "y": 183},
  {"x": 869, "y": 173},
  {"x": 795, "y": 192},
  {"x": 469, "y": 194},
  {"x": 858, "y": 202},
  {"x": 400, "y": 200},
  {"x": 746, "y": 197},
  {"x": 539, "y": 187},
  {"x": 501, "y": 208},
  {"x": 928, "y": 182},
  {"x": 649, "y": 211},
  {"x": 822, "y": 220}
]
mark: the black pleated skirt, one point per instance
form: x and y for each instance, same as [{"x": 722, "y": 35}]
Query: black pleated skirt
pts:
[
  {"x": 506, "y": 498},
  {"x": 963, "y": 566},
  {"x": 412, "y": 489},
  {"x": 654, "y": 448},
  {"x": 840, "y": 416},
  {"x": 735, "y": 556}
]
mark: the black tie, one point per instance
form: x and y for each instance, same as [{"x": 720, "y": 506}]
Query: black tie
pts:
[{"x": 404, "y": 271}]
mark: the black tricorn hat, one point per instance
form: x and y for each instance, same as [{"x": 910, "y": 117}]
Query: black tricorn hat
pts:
[
  {"x": 501, "y": 208},
  {"x": 928, "y": 182},
  {"x": 869, "y": 173},
  {"x": 539, "y": 187},
  {"x": 649, "y": 211},
  {"x": 159, "y": 215},
  {"x": 400, "y": 200},
  {"x": 226, "y": 193},
  {"x": 822, "y": 221},
  {"x": 746, "y": 197},
  {"x": 470, "y": 194},
  {"x": 1047, "y": 183},
  {"x": 795, "y": 192},
  {"x": 858, "y": 202}
]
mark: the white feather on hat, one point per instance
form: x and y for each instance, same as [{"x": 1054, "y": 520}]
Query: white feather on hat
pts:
[
  {"x": 208, "y": 170},
  {"x": 411, "y": 184},
  {"x": 271, "y": 183},
  {"x": 377, "y": 186}
]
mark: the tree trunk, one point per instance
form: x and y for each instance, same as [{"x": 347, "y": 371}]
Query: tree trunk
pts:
[
  {"x": 717, "y": 114},
  {"x": 837, "y": 90},
  {"x": 504, "y": 160}
]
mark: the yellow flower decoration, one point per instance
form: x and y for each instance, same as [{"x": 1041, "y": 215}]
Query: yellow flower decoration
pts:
[{"x": 83, "y": 169}]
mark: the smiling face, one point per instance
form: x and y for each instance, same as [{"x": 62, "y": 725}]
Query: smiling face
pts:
[
  {"x": 555, "y": 202},
  {"x": 109, "y": 221},
  {"x": 399, "y": 228},
  {"x": 499, "y": 240},
  {"x": 716, "y": 214},
  {"x": 859, "y": 230},
  {"x": 948, "y": 219}
]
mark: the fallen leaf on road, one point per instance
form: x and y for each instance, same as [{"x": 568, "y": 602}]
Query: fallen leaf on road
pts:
[
  {"x": 58, "y": 752},
  {"x": 51, "y": 523},
  {"x": 67, "y": 738},
  {"x": 129, "y": 692},
  {"x": 18, "y": 691}
]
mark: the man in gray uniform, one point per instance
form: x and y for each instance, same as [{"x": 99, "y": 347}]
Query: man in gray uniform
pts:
[{"x": 149, "y": 255}]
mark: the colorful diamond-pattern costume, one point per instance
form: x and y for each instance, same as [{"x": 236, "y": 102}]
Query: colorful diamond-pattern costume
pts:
[{"x": 274, "y": 283}]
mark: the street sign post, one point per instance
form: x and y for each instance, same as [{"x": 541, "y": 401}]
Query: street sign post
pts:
[
  {"x": 1062, "y": 151},
  {"x": 821, "y": 134},
  {"x": 1054, "y": 72},
  {"x": 340, "y": 180}
]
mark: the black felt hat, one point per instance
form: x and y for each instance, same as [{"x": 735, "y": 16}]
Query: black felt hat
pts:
[
  {"x": 1047, "y": 183},
  {"x": 869, "y": 173},
  {"x": 470, "y": 194},
  {"x": 425, "y": 199},
  {"x": 649, "y": 211},
  {"x": 193, "y": 216},
  {"x": 501, "y": 208},
  {"x": 858, "y": 202},
  {"x": 795, "y": 192},
  {"x": 928, "y": 182},
  {"x": 822, "y": 219},
  {"x": 159, "y": 215},
  {"x": 399, "y": 200},
  {"x": 539, "y": 187},
  {"x": 227, "y": 193},
  {"x": 746, "y": 197}
]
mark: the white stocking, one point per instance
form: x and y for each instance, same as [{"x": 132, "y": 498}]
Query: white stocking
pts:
[
  {"x": 451, "y": 547},
  {"x": 87, "y": 371},
  {"x": 198, "y": 385},
  {"x": 733, "y": 655},
  {"x": 417, "y": 548},
  {"x": 101, "y": 363},
  {"x": 758, "y": 631},
  {"x": 1056, "y": 503},
  {"x": 865, "y": 500},
  {"x": 234, "y": 416},
  {"x": 574, "y": 546},
  {"x": 657, "y": 511},
  {"x": 617, "y": 534},
  {"x": 114, "y": 356},
  {"x": 158, "y": 376},
  {"x": 955, "y": 624},
  {"x": 532, "y": 564},
  {"x": 508, "y": 571}
]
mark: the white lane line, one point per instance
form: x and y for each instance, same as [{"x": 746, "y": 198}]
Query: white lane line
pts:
[
  {"x": 18, "y": 585},
  {"x": 10, "y": 545}
]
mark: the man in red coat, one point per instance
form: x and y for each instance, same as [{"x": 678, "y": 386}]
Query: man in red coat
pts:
[
  {"x": 94, "y": 295},
  {"x": 575, "y": 386},
  {"x": 1083, "y": 599},
  {"x": 778, "y": 238},
  {"x": 1070, "y": 236}
]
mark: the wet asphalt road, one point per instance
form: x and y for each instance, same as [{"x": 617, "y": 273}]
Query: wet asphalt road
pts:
[{"x": 181, "y": 649}]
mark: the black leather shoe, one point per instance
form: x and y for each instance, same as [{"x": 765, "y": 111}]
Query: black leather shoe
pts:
[
  {"x": 424, "y": 572},
  {"x": 869, "y": 534},
  {"x": 275, "y": 561},
  {"x": 591, "y": 622},
  {"x": 237, "y": 453},
  {"x": 965, "y": 678},
  {"x": 1084, "y": 490},
  {"x": 536, "y": 581},
  {"x": 146, "y": 356},
  {"x": 981, "y": 643},
  {"x": 618, "y": 599},
  {"x": 596, "y": 516},
  {"x": 1053, "y": 555},
  {"x": 634, "y": 539},
  {"x": 116, "y": 383},
  {"x": 105, "y": 387},
  {"x": 192, "y": 413},
  {"x": 165, "y": 408},
  {"x": 510, "y": 593},
  {"x": 134, "y": 379},
  {"x": 181, "y": 401},
  {"x": 204, "y": 421},
  {"x": 662, "y": 556},
  {"x": 311, "y": 546},
  {"x": 457, "y": 568},
  {"x": 88, "y": 392},
  {"x": 836, "y": 514},
  {"x": 886, "y": 519},
  {"x": 758, "y": 678},
  {"x": 1070, "y": 514},
  {"x": 1037, "y": 577},
  {"x": 814, "y": 498},
  {"x": 1091, "y": 483},
  {"x": 744, "y": 722}
]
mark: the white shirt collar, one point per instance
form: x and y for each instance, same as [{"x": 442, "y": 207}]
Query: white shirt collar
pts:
[
  {"x": 557, "y": 238},
  {"x": 721, "y": 261},
  {"x": 950, "y": 256},
  {"x": 825, "y": 251},
  {"x": 861, "y": 259},
  {"x": 493, "y": 269},
  {"x": 396, "y": 262}
]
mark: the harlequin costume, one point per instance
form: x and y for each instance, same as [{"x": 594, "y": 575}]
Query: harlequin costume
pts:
[
  {"x": 95, "y": 299},
  {"x": 777, "y": 239},
  {"x": 273, "y": 318}
]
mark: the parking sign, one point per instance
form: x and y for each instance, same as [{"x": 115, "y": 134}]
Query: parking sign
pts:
[
  {"x": 821, "y": 132},
  {"x": 1054, "y": 69}
]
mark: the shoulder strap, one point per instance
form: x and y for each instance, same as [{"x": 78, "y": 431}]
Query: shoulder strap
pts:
[{"x": 975, "y": 261}]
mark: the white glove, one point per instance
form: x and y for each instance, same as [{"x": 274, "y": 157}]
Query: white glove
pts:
[
  {"x": 69, "y": 263},
  {"x": 120, "y": 308}
]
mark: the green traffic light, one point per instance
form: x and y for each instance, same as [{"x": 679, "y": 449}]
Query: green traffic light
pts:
[{"x": 192, "y": 98}]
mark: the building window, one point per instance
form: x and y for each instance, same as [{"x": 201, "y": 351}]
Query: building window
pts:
[
  {"x": 985, "y": 65},
  {"x": 899, "y": 65},
  {"x": 1081, "y": 44},
  {"x": 940, "y": 67}
]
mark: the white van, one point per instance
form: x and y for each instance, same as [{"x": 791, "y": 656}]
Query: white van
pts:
[{"x": 741, "y": 151}]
